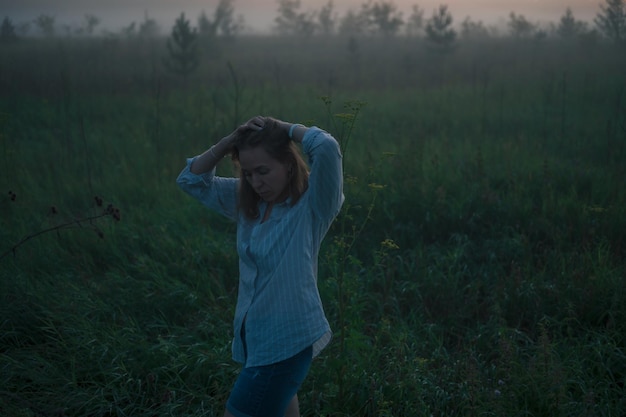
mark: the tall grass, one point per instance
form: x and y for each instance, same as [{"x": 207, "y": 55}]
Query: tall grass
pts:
[{"x": 476, "y": 267}]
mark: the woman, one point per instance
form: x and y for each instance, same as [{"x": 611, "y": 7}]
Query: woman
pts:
[{"x": 282, "y": 212}]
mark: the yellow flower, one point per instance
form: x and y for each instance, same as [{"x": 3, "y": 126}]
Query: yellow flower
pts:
[
  {"x": 596, "y": 209},
  {"x": 389, "y": 244},
  {"x": 375, "y": 186}
]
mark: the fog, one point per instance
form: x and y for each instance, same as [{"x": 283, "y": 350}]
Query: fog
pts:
[{"x": 259, "y": 14}]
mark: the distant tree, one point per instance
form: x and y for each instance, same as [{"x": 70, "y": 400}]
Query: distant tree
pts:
[
  {"x": 206, "y": 28},
  {"x": 439, "y": 31},
  {"x": 326, "y": 19},
  {"x": 471, "y": 30},
  {"x": 183, "y": 48},
  {"x": 149, "y": 28},
  {"x": 46, "y": 25},
  {"x": 130, "y": 30},
  {"x": 382, "y": 17},
  {"x": 352, "y": 24},
  {"x": 353, "y": 48},
  {"x": 90, "y": 23},
  {"x": 224, "y": 19},
  {"x": 354, "y": 54},
  {"x": 611, "y": 20},
  {"x": 23, "y": 28},
  {"x": 68, "y": 30},
  {"x": 539, "y": 35},
  {"x": 569, "y": 27},
  {"x": 519, "y": 27},
  {"x": 415, "y": 22},
  {"x": 291, "y": 21},
  {"x": 589, "y": 39},
  {"x": 286, "y": 20},
  {"x": 7, "y": 31}
]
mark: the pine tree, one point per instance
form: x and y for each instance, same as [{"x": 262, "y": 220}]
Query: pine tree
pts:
[
  {"x": 415, "y": 22},
  {"x": 326, "y": 18},
  {"x": 149, "y": 28},
  {"x": 7, "y": 31},
  {"x": 520, "y": 27},
  {"x": 611, "y": 21},
  {"x": 183, "y": 48},
  {"x": 46, "y": 24},
  {"x": 291, "y": 22},
  {"x": 224, "y": 19},
  {"x": 439, "y": 29},
  {"x": 383, "y": 17},
  {"x": 569, "y": 27}
]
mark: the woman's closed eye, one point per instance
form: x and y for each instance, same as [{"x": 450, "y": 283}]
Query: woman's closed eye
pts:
[{"x": 258, "y": 171}]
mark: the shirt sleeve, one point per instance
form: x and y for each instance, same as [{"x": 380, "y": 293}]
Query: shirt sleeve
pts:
[
  {"x": 217, "y": 193},
  {"x": 326, "y": 176}
]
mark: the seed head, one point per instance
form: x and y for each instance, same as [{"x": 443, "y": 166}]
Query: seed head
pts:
[{"x": 113, "y": 211}]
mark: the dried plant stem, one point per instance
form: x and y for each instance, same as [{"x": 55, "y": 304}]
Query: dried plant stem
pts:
[
  {"x": 78, "y": 223},
  {"x": 236, "y": 92}
]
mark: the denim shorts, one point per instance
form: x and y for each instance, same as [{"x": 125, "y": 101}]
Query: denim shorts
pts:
[{"x": 265, "y": 391}]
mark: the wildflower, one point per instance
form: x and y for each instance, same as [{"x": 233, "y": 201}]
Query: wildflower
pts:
[
  {"x": 375, "y": 186},
  {"x": 389, "y": 244},
  {"x": 349, "y": 179},
  {"x": 596, "y": 209},
  {"x": 346, "y": 117},
  {"x": 340, "y": 242}
]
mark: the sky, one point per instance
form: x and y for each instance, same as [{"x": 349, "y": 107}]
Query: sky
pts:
[{"x": 259, "y": 14}]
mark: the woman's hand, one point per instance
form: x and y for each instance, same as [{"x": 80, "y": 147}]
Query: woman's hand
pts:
[
  {"x": 256, "y": 123},
  {"x": 208, "y": 160}
]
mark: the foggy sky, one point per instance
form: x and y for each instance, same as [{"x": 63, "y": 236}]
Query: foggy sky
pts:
[{"x": 259, "y": 14}]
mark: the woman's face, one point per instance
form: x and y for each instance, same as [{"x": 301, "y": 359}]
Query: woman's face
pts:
[{"x": 267, "y": 176}]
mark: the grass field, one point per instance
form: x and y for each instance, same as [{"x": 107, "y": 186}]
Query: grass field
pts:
[{"x": 476, "y": 269}]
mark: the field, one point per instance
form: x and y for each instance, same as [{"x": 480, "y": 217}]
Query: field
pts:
[{"x": 476, "y": 269}]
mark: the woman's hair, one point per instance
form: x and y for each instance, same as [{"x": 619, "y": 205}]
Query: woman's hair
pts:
[{"x": 276, "y": 142}]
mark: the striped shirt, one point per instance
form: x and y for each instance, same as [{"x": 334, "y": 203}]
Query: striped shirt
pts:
[{"x": 278, "y": 295}]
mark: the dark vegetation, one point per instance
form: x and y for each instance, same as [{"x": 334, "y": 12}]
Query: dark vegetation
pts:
[{"x": 477, "y": 267}]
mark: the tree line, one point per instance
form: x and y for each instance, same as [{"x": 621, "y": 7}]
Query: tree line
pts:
[{"x": 372, "y": 18}]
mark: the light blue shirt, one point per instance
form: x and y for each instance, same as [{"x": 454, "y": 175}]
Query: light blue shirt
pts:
[{"x": 278, "y": 295}]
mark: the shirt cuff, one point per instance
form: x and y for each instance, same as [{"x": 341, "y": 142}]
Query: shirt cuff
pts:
[{"x": 189, "y": 177}]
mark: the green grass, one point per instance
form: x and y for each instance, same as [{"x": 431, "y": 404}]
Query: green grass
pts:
[{"x": 476, "y": 268}]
